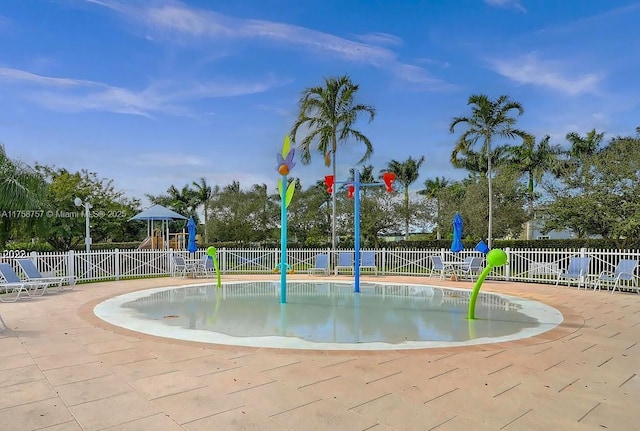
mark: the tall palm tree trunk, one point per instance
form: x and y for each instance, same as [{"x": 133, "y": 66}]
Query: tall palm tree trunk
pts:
[
  {"x": 490, "y": 227},
  {"x": 406, "y": 214},
  {"x": 333, "y": 198},
  {"x": 529, "y": 234},
  {"x": 206, "y": 222}
]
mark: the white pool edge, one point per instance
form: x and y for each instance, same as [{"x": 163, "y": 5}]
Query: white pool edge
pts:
[{"x": 112, "y": 312}]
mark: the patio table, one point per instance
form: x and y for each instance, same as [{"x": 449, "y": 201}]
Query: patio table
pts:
[{"x": 453, "y": 266}]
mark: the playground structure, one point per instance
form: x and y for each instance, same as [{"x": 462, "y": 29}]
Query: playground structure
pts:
[
  {"x": 177, "y": 241},
  {"x": 160, "y": 238}
]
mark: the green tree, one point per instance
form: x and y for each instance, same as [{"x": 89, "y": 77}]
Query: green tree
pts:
[
  {"x": 330, "y": 113},
  {"x": 407, "y": 173},
  {"x": 243, "y": 216},
  {"x": 433, "y": 192},
  {"x": 469, "y": 197},
  {"x": 21, "y": 188},
  {"x": 597, "y": 192},
  {"x": 202, "y": 195},
  {"x": 310, "y": 216},
  {"x": 533, "y": 161},
  {"x": 489, "y": 120},
  {"x": 64, "y": 227}
]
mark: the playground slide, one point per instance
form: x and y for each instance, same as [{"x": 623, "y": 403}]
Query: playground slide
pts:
[{"x": 146, "y": 244}]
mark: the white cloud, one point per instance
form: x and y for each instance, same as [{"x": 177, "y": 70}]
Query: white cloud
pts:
[
  {"x": 10, "y": 74},
  {"x": 417, "y": 75},
  {"x": 529, "y": 69},
  {"x": 74, "y": 95},
  {"x": 507, "y": 4},
  {"x": 378, "y": 38},
  {"x": 176, "y": 19}
]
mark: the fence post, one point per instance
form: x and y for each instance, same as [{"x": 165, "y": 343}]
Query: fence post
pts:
[
  {"x": 222, "y": 261},
  {"x": 507, "y": 267},
  {"x": 170, "y": 262},
  {"x": 116, "y": 258},
  {"x": 34, "y": 257},
  {"x": 71, "y": 267},
  {"x": 383, "y": 260}
]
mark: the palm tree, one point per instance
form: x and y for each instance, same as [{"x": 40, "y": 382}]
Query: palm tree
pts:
[
  {"x": 476, "y": 163},
  {"x": 366, "y": 177},
  {"x": 584, "y": 146},
  {"x": 432, "y": 190},
  {"x": 330, "y": 112},
  {"x": 406, "y": 174},
  {"x": 490, "y": 119},
  {"x": 21, "y": 188},
  {"x": 534, "y": 160},
  {"x": 578, "y": 158},
  {"x": 203, "y": 195}
]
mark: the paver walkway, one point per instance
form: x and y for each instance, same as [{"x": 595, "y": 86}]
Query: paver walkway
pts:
[{"x": 62, "y": 369}]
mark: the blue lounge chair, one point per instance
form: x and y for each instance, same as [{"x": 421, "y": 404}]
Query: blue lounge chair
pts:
[
  {"x": 33, "y": 274},
  {"x": 322, "y": 265},
  {"x": 12, "y": 285},
  {"x": 624, "y": 272},
  {"x": 577, "y": 270},
  {"x": 368, "y": 261},
  {"x": 345, "y": 261}
]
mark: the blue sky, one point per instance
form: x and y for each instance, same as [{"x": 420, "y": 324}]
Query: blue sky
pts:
[{"x": 153, "y": 93}]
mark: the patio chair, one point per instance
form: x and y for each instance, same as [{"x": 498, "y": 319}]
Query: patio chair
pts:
[
  {"x": 437, "y": 265},
  {"x": 33, "y": 274},
  {"x": 345, "y": 261},
  {"x": 205, "y": 266},
  {"x": 577, "y": 270},
  {"x": 12, "y": 285},
  {"x": 181, "y": 266},
  {"x": 471, "y": 267},
  {"x": 321, "y": 265},
  {"x": 624, "y": 272},
  {"x": 368, "y": 261}
]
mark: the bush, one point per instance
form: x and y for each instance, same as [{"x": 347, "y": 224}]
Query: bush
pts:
[{"x": 29, "y": 246}]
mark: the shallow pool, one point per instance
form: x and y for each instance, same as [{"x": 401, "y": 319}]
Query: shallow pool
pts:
[{"x": 328, "y": 316}]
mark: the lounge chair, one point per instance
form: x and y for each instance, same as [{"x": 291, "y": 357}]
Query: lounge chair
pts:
[
  {"x": 471, "y": 267},
  {"x": 33, "y": 274},
  {"x": 180, "y": 265},
  {"x": 577, "y": 270},
  {"x": 345, "y": 261},
  {"x": 624, "y": 272},
  {"x": 12, "y": 285},
  {"x": 322, "y": 265},
  {"x": 368, "y": 261}
]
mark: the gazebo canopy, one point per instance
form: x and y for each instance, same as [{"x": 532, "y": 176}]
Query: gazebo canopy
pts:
[{"x": 158, "y": 212}]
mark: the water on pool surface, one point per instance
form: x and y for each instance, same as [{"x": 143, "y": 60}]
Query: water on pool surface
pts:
[{"x": 331, "y": 313}]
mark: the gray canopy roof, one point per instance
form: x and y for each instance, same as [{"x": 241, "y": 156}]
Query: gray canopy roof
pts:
[{"x": 158, "y": 212}]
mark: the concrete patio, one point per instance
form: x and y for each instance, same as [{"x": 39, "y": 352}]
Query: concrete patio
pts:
[{"x": 63, "y": 369}]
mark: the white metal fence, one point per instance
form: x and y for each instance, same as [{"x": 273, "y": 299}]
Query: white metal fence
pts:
[{"x": 540, "y": 265}]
